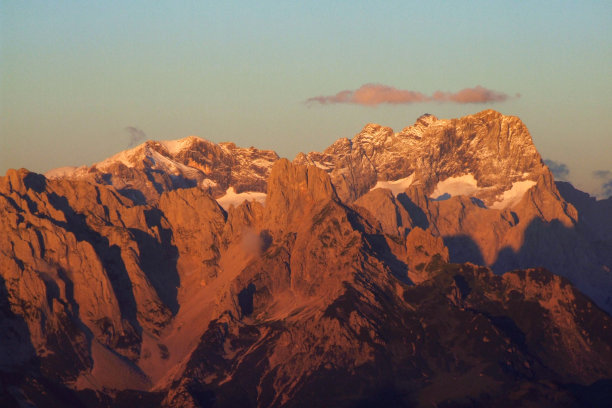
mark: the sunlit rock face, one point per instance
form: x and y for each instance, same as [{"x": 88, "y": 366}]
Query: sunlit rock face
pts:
[
  {"x": 332, "y": 287},
  {"x": 479, "y": 183},
  {"x": 487, "y": 154}
]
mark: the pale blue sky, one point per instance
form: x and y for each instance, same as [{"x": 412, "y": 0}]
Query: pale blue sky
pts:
[{"x": 75, "y": 74}]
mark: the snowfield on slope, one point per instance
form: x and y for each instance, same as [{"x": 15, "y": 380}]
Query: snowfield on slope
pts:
[
  {"x": 397, "y": 186},
  {"x": 467, "y": 185},
  {"x": 232, "y": 198},
  {"x": 512, "y": 196},
  {"x": 456, "y": 186}
]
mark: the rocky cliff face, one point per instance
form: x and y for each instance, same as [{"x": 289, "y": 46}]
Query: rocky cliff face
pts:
[
  {"x": 334, "y": 291},
  {"x": 478, "y": 183}
]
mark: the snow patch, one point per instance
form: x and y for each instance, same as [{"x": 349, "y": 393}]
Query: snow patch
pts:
[
  {"x": 208, "y": 183},
  {"x": 125, "y": 157},
  {"x": 170, "y": 166},
  {"x": 396, "y": 186},
  {"x": 323, "y": 166},
  {"x": 232, "y": 198},
  {"x": 511, "y": 197},
  {"x": 263, "y": 163},
  {"x": 132, "y": 157},
  {"x": 178, "y": 145},
  {"x": 60, "y": 172},
  {"x": 455, "y": 186}
]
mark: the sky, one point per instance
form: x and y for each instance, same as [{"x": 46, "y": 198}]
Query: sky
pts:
[{"x": 82, "y": 80}]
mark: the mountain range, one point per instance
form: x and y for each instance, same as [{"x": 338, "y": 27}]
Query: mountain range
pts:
[{"x": 441, "y": 265}]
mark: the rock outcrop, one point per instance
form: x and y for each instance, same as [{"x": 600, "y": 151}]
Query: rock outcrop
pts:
[{"x": 128, "y": 283}]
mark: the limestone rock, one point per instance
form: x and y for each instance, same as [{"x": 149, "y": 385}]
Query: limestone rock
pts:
[{"x": 128, "y": 281}]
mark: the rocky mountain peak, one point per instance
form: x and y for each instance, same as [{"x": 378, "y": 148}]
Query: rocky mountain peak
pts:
[
  {"x": 486, "y": 155},
  {"x": 293, "y": 190},
  {"x": 14, "y": 180},
  {"x": 146, "y": 171},
  {"x": 373, "y": 273},
  {"x": 373, "y": 131},
  {"x": 426, "y": 119}
]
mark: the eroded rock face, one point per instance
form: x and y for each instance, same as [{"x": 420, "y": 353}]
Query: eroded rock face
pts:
[
  {"x": 311, "y": 297},
  {"x": 398, "y": 347},
  {"x": 478, "y": 182},
  {"x": 294, "y": 191},
  {"x": 424, "y": 251},
  {"x": 393, "y": 217},
  {"x": 71, "y": 277}
]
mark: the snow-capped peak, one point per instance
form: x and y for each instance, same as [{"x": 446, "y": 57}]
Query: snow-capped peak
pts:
[
  {"x": 176, "y": 146},
  {"x": 147, "y": 170}
]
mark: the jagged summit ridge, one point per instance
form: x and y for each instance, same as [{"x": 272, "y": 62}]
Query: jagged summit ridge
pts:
[
  {"x": 188, "y": 274},
  {"x": 487, "y": 155},
  {"x": 146, "y": 171},
  {"x": 494, "y": 150},
  {"x": 477, "y": 182}
]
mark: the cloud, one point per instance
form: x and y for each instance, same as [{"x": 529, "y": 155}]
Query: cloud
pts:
[
  {"x": 606, "y": 188},
  {"x": 477, "y": 94},
  {"x": 606, "y": 177},
  {"x": 559, "y": 170},
  {"x": 136, "y": 135},
  {"x": 603, "y": 174},
  {"x": 376, "y": 94},
  {"x": 254, "y": 242}
]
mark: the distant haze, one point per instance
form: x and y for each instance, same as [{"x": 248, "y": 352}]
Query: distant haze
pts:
[{"x": 80, "y": 81}]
